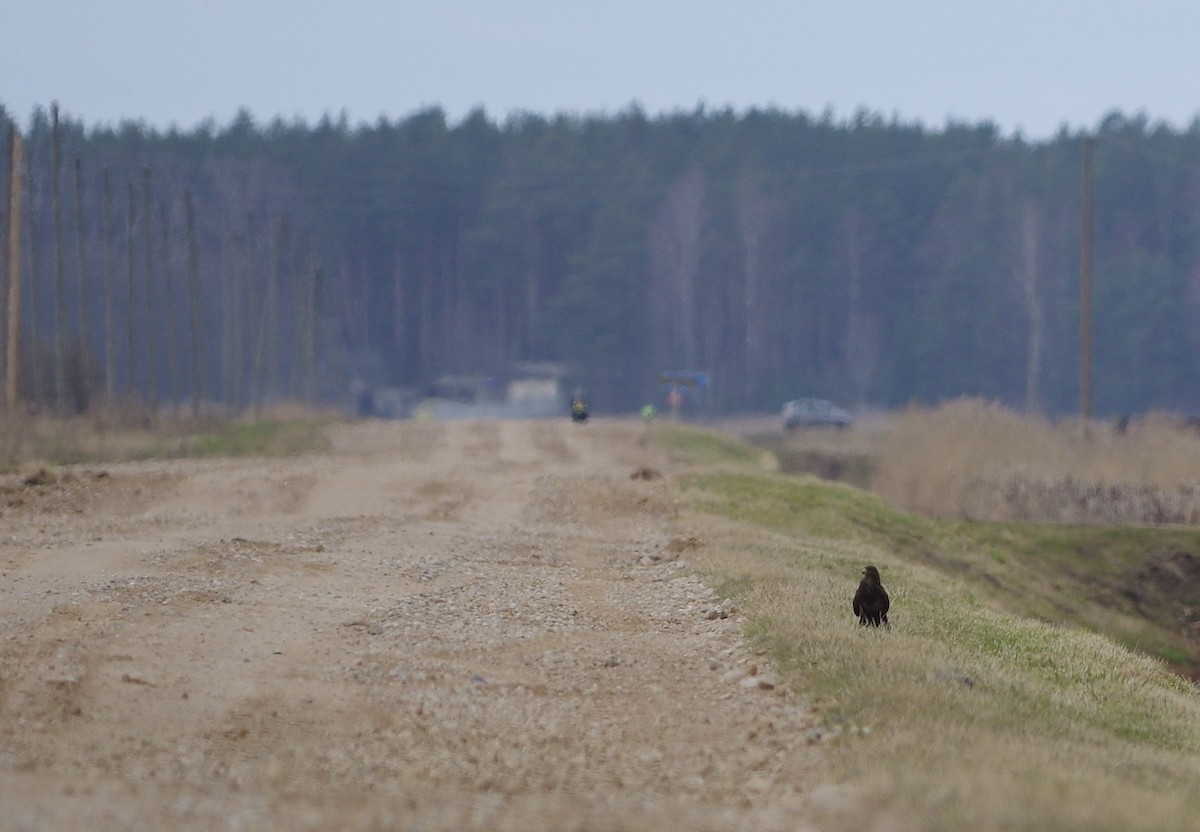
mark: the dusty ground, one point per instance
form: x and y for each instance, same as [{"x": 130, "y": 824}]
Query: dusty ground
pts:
[{"x": 456, "y": 626}]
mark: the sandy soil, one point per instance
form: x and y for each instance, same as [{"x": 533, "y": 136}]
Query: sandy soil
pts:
[{"x": 432, "y": 626}]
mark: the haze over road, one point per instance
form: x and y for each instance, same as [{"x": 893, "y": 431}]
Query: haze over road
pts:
[{"x": 469, "y": 625}]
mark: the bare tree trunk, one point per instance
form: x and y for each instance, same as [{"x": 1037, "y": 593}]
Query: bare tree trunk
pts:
[
  {"x": 129, "y": 333},
  {"x": 279, "y": 273},
  {"x": 266, "y": 323},
  {"x": 4, "y": 263},
  {"x": 80, "y": 265},
  {"x": 229, "y": 306},
  {"x": 246, "y": 311},
  {"x": 169, "y": 331},
  {"x": 148, "y": 252},
  {"x": 194, "y": 306},
  {"x": 14, "y": 202},
  {"x": 60, "y": 283},
  {"x": 429, "y": 365},
  {"x": 533, "y": 293},
  {"x": 309, "y": 345},
  {"x": 239, "y": 270},
  {"x": 35, "y": 188},
  {"x": 1029, "y": 278},
  {"x": 1087, "y": 232},
  {"x": 399, "y": 307},
  {"x": 110, "y": 299},
  {"x": 676, "y": 245},
  {"x": 862, "y": 341},
  {"x": 457, "y": 308},
  {"x": 299, "y": 274},
  {"x": 754, "y": 220}
]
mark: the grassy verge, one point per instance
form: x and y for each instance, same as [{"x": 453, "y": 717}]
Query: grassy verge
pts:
[
  {"x": 82, "y": 441},
  {"x": 1137, "y": 584},
  {"x": 966, "y": 713},
  {"x": 258, "y": 439},
  {"x": 697, "y": 447}
]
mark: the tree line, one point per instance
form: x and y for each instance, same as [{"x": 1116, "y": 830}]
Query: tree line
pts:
[{"x": 867, "y": 260}]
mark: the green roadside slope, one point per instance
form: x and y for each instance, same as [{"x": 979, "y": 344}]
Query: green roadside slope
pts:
[{"x": 1032, "y": 677}]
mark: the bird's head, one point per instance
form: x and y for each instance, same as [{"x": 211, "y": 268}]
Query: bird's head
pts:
[{"x": 871, "y": 572}]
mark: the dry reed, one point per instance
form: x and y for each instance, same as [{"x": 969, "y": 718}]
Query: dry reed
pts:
[{"x": 974, "y": 459}]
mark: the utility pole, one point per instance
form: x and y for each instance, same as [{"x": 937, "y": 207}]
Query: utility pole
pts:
[
  {"x": 194, "y": 322},
  {"x": 129, "y": 377},
  {"x": 85, "y": 346},
  {"x": 148, "y": 250},
  {"x": 110, "y": 313},
  {"x": 1085, "y": 300},
  {"x": 60, "y": 281},
  {"x": 15, "y": 164},
  {"x": 164, "y": 213}
]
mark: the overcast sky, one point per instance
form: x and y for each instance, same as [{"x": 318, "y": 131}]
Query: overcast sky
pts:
[{"x": 1026, "y": 65}]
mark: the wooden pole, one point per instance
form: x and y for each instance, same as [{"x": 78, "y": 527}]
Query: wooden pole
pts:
[
  {"x": 1085, "y": 301},
  {"x": 169, "y": 333},
  {"x": 148, "y": 252},
  {"x": 309, "y": 341},
  {"x": 35, "y": 192},
  {"x": 247, "y": 304},
  {"x": 310, "y": 352},
  {"x": 60, "y": 281},
  {"x": 80, "y": 265},
  {"x": 129, "y": 334},
  {"x": 193, "y": 280},
  {"x": 110, "y": 299},
  {"x": 262, "y": 373},
  {"x": 15, "y": 182},
  {"x": 228, "y": 380}
]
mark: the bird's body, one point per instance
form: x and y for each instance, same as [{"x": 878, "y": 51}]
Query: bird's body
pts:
[{"x": 871, "y": 601}]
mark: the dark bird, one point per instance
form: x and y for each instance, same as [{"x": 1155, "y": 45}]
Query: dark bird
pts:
[{"x": 871, "y": 600}]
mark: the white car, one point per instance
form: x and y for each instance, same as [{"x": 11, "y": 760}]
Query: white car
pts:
[{"x": 815, "y": 413}]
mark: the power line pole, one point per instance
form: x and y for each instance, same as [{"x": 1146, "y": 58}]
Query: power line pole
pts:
[
  {"x": 110, "y": 313},
  {"x": 80, "y": 266},
  {"x": 60, "y": 281},
  {"x": 130, "y": 387},
  {"x": 199, "y": 377},
  {"x": 1085, "y": 300},
  {"x": 15, "y": 163},
  {"x": 148, "y": 250}
]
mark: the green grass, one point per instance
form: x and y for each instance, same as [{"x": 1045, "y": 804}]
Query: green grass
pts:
[
  {"x": 998, "y": 699},
  {"x": 702, "y": 447},
  {"x": 1090, "y": 576},
  {"x": 258, "y": 439},
  {"x": 50, "y": 442}
]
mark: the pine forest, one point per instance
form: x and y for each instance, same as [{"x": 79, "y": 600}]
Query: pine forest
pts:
[{"x": 866, "y": 260}]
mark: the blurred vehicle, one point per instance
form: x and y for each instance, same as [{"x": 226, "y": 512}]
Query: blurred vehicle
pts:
[
  {"x": 803, "y": 413},
  {"x": 579, "y": 407}
]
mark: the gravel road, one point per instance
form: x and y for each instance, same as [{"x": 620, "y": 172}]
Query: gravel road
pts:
[{"x": 458, "y": 626}]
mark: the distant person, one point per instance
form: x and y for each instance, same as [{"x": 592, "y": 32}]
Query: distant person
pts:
[
  {"x": 871, "y": 602},
  {"x": 579, "y": 408}
]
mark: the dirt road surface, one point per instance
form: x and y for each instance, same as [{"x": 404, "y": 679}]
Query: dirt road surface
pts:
[{"x": 476, "y": 625}]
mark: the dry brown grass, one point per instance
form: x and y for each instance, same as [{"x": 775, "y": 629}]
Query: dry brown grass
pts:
[
  {"x": 974, "y": 459},
  {"x": 127, "y": 432}
]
